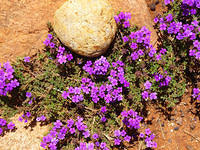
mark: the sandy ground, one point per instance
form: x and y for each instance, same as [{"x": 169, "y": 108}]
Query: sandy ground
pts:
[{"x": 22, "y": 138}]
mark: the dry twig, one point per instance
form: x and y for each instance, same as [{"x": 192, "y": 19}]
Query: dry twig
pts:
[{"x": 196, "y": 138}]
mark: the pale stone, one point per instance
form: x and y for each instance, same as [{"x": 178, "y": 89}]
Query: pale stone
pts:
[{"x": 87, "y": 27}]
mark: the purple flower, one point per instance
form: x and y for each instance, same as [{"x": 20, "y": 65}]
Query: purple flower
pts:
[
  {"x": 127, "y": 138},
  {"x": 196, "y": 91},
  {"x": 123, "y": 133},
  {"x": 30, "y": 102},
  {"x": 125, "y": 39},
  {"x": 28, "y": 114},
  {"x": 127, "y": 15},
  {"x": 156, "y": 20},
  {"x": 103, "y": 145},
  {"x": 57, "y": 124},
  {"x": 28, "y": 94},
  {"x": 169, "y": 17},
  {"x": 65, "y": 94},
  {"x": 52, "y": 146},
  {"x": 147, "y": 85},
  {"x": 141, "y": 135},
  {"x": 147, "y": 131},
  {"x": 153, "y": 96},
  {"x": 117, "y": 19},
  {"x": 42, "y": 118},
  {"x": 121, "y": 15},
  {"x": 124, "y": 113},
  {"x": 167, "y": 2},
  {"x": 140, "y": 52},
  {"x": 86, "y": 134},
  {"x": 126, "y": 24},
  {"x": 145, "y": 95},
  {"x": 95, "y": 136},
  {"x": 163, "y": 26},
  {"x": 97, "y": 144},
  {"x": 195, "y": 23},
  {"x": 70, "y": 123},
  {"x": 47, "y": 42},
  {"x": 49, "y": 36},
  {"x": 10, "y": 126},
  {"x": 1, "y": 131},
  {"x": 2, "y": 122},
  {"x": 72, "y": 130},
  {"x": 103, "y": 109},
  {"x": 134, "y": 56},
  {"x": 38, "y": 119},
  {"x": 20, "y": 119},
  {"x": 198, "y": 55},
  {"x": 62, "y": 59},
  {"x": 27, "y": 59},
  {"x": 117, "y": 141},
  {"x": 61, "y": 49},
  {"x": 103, "y": 119},
  {"x": 52, "y": 45},
  {"x": 117, "y": 133},
  {"x": 158, "y": 57}
]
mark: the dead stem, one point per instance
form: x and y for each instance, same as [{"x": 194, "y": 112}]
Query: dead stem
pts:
[
  {"x": 196, "y": 138},
  {"x": 163, "y": 135}
]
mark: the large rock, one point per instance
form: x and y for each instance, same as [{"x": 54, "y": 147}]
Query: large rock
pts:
[
  {"x": 140, "y": 15},
  {"x": 87, "y": 27},
  {"x": 23, "y": 26}
]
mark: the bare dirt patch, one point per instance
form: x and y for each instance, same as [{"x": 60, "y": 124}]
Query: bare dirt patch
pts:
[{"x": 23, "y": 138}]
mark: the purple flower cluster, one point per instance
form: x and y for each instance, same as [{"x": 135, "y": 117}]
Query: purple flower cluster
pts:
[
  {"x": 131, "y": 119},
  {"x": 27, "y": 59},
  {"x": 139, "y": 43},
  {"x": 102, "y": 113},
  {"x": 190, "y": 7},
  {"x": 5, "y": 126},
  {"x": 183, "y": 31},
  {"x": 60, "y": 131},
  {"x": 163, "y": 80},
  {"x": 168, "y": 1},
  {"x": 7, "y": 81},
  {"x": 140, "y": 40},
  {"x": 148, "y": 138},
  {"x": 25, "y": 117},
  {"x": 92, "y": 146},
  {"x": 41, "y": 118},
  {"x": 196, "y": 93},
  {"x": 62, "y": 55},
  {"x": 48, "y": 42},
  {"x": 123, "y": 18},
  {"x": 110, "y": 92},
  {"x": 147, "y": 93},
  {"x": 100, "y": 66},
  {"x": 74, "y": 94},
  {"x": 121, "y": 136}
]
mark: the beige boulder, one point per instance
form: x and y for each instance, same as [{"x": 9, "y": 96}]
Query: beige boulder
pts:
[{"x": 87, "y": 27}]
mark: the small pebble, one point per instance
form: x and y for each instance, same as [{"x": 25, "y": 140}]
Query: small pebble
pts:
[
  {"x": 170, "y": 140},
  {"x": 152, "y": 7},
  {"x": 156, "y": 2},
  {"x": 192, "y": 126},
  {"x": 188, "y": 147},
  {"x": 176, "y": 128},
  {"x": 179, "y": 121}
]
